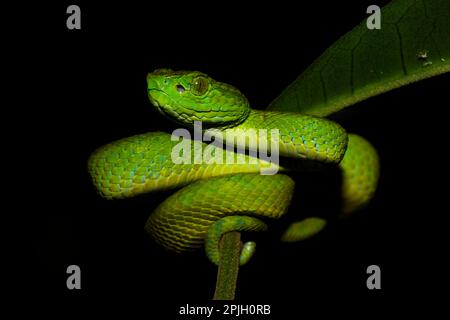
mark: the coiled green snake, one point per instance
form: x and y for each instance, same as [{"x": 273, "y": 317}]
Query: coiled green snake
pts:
[{"x": 219, "y": 197}]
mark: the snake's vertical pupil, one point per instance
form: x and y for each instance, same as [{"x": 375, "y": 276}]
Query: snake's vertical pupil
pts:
[
  {"x": 200, "y": 85},
  {"x": 180, "y": 88}
]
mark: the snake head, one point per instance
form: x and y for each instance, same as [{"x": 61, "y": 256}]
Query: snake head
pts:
[{"x": 188, "y": 96}]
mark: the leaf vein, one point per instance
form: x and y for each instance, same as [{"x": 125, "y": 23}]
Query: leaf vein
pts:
[{"x": 402, "y": 57}]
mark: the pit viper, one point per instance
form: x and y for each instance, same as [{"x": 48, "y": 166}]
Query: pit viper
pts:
[{"x": 214, "y": 196}]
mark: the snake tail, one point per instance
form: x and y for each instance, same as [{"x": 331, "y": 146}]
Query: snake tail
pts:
[
  {"x": 303, "y": 229},
  {"x": 182, "y": 222},
  {"x": 229, "y": 224}
]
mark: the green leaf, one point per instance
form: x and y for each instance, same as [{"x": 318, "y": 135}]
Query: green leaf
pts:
[{"x": 412, "y": 44}]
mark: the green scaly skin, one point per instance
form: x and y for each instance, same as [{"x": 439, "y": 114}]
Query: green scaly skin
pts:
[{"x": 222, "y": 197}]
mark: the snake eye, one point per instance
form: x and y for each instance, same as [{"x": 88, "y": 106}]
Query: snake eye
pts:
[
  {"x": 180, "y": 88},
  {"x": 199, "y": 85}
]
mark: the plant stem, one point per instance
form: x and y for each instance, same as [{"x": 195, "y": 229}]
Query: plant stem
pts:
[{"x": 230, "y": 251}]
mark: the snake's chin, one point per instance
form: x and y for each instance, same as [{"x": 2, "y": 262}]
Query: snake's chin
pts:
[
  {"x": 155, "y": 100},
  {"x": 160, "y": 106},
  {"x": 152, "y": 98}
]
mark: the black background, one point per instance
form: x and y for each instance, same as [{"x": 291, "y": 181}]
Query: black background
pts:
[{"x": 88, "y": 88}]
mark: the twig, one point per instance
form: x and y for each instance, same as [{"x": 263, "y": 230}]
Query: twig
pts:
[{"x": 230, "y": 250}]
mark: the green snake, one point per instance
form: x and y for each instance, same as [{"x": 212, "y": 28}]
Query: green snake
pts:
[{"x": 215, "y": 197}]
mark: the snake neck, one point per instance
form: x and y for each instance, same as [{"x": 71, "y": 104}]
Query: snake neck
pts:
[{"x": 292, "y": 135}]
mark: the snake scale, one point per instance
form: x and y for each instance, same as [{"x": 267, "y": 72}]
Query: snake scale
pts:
[{"x": 214, "y": 198}]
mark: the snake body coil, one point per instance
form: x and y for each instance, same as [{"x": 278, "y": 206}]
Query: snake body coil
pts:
[{"x": 221, "y": 197}]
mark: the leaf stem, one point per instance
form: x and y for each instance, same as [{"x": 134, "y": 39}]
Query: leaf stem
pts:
[{"x": 227, "y": 274}]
